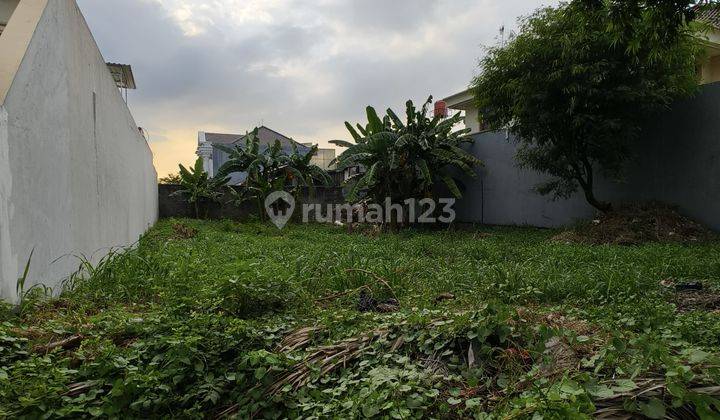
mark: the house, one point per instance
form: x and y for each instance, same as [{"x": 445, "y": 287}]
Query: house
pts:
[
  {"x": 323, "y": 157},
  {"x": 214, "y": 157},
  {"x": 709, "y": 68},
  {"x": 76, "y": 174},
  {"x": 465, "y": 102}
]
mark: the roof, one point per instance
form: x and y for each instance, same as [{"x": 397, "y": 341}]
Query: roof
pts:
[
  {"x": 219, "y": 138},
  {"x": 266, "y": 136},
  {"x": 123, "y": 75},
  {"x": 709, "y": 13},
  {"x": 460, "y": 100}
]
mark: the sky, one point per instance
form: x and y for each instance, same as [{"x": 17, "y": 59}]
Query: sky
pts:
[{"x": 300, "y": 67}]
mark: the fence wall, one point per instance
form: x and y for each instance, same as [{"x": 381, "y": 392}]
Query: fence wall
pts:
[
  {"x": 676, "y": 161},
  {"x": 176, "y": 206}
]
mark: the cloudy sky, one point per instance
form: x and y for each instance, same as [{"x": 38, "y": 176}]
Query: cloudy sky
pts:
[{"x": 301, "y": 67}]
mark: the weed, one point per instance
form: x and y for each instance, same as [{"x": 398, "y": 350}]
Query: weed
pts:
[{"x": 244, "y": 320}]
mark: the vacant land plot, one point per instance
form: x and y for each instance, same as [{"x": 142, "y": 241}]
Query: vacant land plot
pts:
[{"x": 213, "y": 319}]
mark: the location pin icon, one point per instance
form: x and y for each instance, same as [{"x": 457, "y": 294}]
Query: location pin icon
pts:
[{"x": 278, "y": 216}]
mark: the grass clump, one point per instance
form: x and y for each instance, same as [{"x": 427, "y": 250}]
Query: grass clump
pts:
[{"x": 242, "y": 320}]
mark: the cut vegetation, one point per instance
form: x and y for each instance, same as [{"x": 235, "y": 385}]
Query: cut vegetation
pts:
[
  {"x": 639, "y": 223},
  {"x": 217, "y": 319}
]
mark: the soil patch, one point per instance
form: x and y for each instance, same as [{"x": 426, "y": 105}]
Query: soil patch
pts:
[
  {"x": 633, "y": 224},
  {"x": 182, "y": 231},
  {"x": 693, "y": 300}
]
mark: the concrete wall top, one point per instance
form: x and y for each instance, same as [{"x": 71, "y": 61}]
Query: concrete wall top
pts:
[{"x": 15, "y": 40}]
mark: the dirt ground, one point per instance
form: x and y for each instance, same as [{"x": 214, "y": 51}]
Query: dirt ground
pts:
[{"x": 634, "y": 224}]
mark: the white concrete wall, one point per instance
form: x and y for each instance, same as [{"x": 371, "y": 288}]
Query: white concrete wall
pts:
[
  {"x": 76, "y": 177},
  {"x": 710, "y": 70}
]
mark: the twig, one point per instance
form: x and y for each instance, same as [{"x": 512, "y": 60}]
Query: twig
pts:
[
  {"x": 79, "y": 388},
  {"x": 376, "y": 277},
  {"x": 67, "y": 344},
  {"x": 341, "y": 294}
]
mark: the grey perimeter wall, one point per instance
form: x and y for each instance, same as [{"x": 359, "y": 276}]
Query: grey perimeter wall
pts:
[
  {"x": 176, "y": 206},
  {"x": 76, "y": 177},
  {"x": 677, "y": 161}
]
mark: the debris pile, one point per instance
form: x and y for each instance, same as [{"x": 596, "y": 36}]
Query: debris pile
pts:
[
  {"x": 692, "y": 296},
  {"x": 366, "y": 303},
  {"x": 634, "y": 224},
  {"x": 183, "y": 231}
]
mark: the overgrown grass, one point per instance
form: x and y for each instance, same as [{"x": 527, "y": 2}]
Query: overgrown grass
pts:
[{"x": 194, "y": 326}]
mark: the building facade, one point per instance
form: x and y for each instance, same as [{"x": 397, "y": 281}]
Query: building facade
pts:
[{"x": 214, "y": 157}]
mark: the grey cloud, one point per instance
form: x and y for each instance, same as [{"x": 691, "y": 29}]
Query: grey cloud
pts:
[
  {"x": 225, "y": 77},
  {"x": 384, "y": 15}
]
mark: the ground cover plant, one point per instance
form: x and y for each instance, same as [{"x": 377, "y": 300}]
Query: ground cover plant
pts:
[{"x": 218, "y": 319}]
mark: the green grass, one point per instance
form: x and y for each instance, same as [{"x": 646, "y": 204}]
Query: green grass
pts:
[{"x": 192, "y": 327}]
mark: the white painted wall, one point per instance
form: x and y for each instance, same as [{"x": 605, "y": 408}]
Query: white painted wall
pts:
[
  {"x": 465, "y": 101},
  {"x": 76, "y": 177}
]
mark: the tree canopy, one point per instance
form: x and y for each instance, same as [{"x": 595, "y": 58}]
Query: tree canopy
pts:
[{"x": 578, "y": 81}]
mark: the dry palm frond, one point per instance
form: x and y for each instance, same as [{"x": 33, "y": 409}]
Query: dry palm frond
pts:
[
  {"x": 614, "y": 407},
  {"x": 298, "y": 339},
  {"x": 182, "y": 231},
  {"x": 693, "y": 300},
  {"x": 341, "y": 294},
  {"x": 376, "y": 277},
  {"x": 326, "y": 359},
  {"x": 435, "y": 366},
  {"x": 66, "y": 344},
  {"x": 562, "y": 358},
  {"x": 79, "y": 388}
]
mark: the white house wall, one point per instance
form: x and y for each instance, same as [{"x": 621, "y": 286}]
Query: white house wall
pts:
[{"x": 80, "y": 178}]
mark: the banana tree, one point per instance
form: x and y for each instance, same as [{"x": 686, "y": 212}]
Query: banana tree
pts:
[
  {"x": 198, "y": 187},
  {"x": 271, "y": 169},
  {"x": 261, "y": 166},
  {"x": 406, "y": 159},
  {"x": 430, "y": 151},
  {"x": 301, "y": 171}
]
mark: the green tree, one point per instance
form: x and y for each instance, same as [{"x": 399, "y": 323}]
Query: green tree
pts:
[
  {"x": 578, "y": 81},
  {"x": 198, "y": 187},
  {"x": 172, "y": 179},
  {"x": 406, "y": 159},
  {"x": 271, "y": 169}
]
